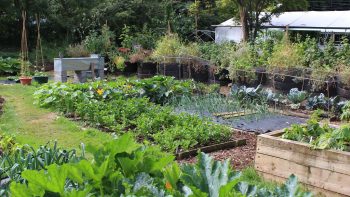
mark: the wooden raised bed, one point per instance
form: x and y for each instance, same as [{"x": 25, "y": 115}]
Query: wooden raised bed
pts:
[
  {"x": 322, "y": 171},
  {"x": 211, "y": 148}
]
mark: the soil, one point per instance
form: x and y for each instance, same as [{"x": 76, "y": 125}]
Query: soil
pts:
[{"x": 240, "y": 157}]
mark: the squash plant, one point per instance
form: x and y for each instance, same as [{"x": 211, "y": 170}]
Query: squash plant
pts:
[{"x": 158, "y": 89}]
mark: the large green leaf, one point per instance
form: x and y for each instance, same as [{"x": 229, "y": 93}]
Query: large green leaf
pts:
[
  {"x": 208, "y": 175},
  {"x": 53, "y": 179},
  {"x": 172, "y": 174},
  {"x": 22, "y": 190}
]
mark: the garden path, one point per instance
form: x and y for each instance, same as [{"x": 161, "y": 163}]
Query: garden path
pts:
[{"x": 36, "y": 126}]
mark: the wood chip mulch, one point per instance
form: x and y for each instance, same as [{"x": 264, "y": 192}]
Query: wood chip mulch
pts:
[{"x": 240, "y": 157}]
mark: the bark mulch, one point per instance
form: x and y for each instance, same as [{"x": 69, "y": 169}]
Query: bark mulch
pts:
[{"x": 240, "y": 157}]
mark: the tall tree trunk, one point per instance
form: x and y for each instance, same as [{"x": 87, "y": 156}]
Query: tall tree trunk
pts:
[
  {"x": 244, "y": 22},
  {"x": 257, "y": 27}
]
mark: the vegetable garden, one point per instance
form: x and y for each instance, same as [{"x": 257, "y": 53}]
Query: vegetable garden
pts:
[
  {"x": 145, "y": 113},
  {"x": 133, "y": 110},
  {"x": 174, "y": 116}
]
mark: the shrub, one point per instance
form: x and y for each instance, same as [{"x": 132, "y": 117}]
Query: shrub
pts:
[
  {"x": 99, "y": 43},
  {"x": 218, "y": 54},
  {"x": 9, "y": 66},
  {"x": 77, "y": 50},
  {"x": 167, "y": 46},
  {"x": 285, "y": 56},
  {"x": 243, "y": 60}
]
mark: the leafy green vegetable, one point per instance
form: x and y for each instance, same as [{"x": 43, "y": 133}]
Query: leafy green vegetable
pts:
[
  {"x": 216, "y": 179},
  {"x": 13, "y": 163},
  {"x": 320, "y": 136},
  {"x": 129, "y": 105},
  {"x": 296, "y": 96},
  {"x": 123, "y": 167},
  {"x": 345, "y": 115},
  {"x": 119, "y": 167},
  {"x": 208, "y": 176},
  {"x": 9, "y": 66}
]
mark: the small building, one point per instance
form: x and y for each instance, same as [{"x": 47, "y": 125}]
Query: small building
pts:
[{"x": 324, "y": 22}]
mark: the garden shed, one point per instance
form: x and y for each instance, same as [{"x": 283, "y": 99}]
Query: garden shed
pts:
[{"x": 324, "y": 22}]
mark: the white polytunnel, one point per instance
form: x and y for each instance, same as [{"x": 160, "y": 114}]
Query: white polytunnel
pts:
[{"x": 321, "y": 21}]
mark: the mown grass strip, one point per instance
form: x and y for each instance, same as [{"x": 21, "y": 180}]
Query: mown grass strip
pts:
[{"x": 36, "y": 126}]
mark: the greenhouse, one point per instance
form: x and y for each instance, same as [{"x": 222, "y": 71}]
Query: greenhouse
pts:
[{"x": 323, "y": 22}]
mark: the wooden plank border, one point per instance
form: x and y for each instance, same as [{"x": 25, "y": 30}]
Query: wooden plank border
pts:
[
  {"x": 325, "y": 171},
  {"x": 211, "y": 148}
]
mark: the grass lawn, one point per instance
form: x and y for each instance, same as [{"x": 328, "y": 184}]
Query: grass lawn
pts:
[{"x": 36, "y": 126}]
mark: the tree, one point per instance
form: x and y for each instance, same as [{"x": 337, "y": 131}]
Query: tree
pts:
[{"x": 253, "y": 13}]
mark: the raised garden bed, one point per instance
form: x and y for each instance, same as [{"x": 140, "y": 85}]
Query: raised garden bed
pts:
[
  {"x": 343, "y": 90},
  {"x": 328, "y": 89},
  {"x": 189, "y": 153},
  {"x": 323, "y": 171},
  {"x": 146, "y": 70},
  {"x": 130, "y": 69},
  {"x": 211, "y": 148},
  {"x": 171, "y": 69},
  {"x": 199, "y": 74},
  {"x": 251, "y": 78}
]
